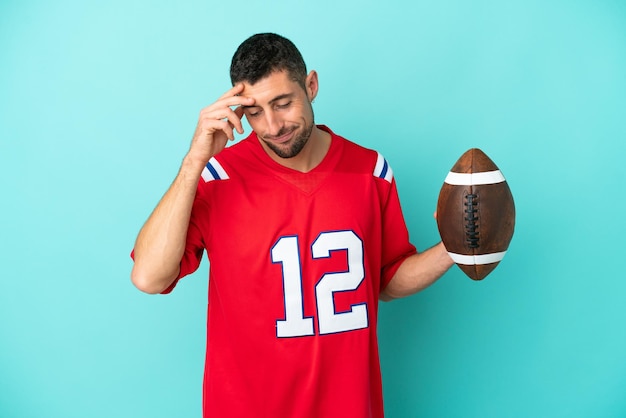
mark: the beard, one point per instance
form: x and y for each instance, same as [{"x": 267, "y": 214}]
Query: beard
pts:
[{"x": 295, "y": 145}]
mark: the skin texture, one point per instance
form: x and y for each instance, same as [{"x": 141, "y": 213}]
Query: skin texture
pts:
[{"x": 279, "y": 110}]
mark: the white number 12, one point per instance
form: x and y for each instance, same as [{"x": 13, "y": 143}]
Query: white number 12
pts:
[{"x": 295, "y": 324}]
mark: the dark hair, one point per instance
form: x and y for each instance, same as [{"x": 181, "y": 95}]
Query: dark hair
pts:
[{"x": 264, "y": 53}]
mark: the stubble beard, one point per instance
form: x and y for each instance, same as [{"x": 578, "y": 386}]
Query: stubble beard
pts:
[{"x": 296, "y": 144}]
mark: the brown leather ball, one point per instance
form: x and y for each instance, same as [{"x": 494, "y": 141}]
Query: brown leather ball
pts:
[{"x": 476, "y": 214}]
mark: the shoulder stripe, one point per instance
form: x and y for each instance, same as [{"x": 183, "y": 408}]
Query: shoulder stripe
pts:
[
  {"x": 382, "y": 169},
  {"x": 214, "y": 171}
]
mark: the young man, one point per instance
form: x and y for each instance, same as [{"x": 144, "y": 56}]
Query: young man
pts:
[{"x": 304, "y": 233}]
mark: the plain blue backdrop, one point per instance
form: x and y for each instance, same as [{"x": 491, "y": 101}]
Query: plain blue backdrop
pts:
[{"x": 98, "y": 102}]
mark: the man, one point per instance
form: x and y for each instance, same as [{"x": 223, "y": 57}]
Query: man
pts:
[{"x": 304, "y": 234}]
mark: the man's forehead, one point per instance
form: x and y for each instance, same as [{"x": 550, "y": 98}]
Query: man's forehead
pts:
[{"x": 270, "y": 88}]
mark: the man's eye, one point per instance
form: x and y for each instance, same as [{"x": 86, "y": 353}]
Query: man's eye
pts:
[
  {"x": 253, "y": 114},
  {"x": 283, "y": 105}
]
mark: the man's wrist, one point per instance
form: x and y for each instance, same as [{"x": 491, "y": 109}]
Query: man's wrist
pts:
[{"x": 193, "y": 163}]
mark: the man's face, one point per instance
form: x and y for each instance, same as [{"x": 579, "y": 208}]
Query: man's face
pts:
[{"x": 282, "y": 115}]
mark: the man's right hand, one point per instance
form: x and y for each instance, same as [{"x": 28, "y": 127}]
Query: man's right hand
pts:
[{"x": 217, "y": 123}]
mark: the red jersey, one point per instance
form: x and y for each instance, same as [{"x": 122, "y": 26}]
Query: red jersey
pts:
[{"x": 297, "y": 263}]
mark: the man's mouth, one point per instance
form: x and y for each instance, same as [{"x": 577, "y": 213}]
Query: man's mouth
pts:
[{"x": 281, "y": 137}]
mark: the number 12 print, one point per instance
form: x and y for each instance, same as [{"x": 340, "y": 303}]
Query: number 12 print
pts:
[{"x": 295, "y": 324}]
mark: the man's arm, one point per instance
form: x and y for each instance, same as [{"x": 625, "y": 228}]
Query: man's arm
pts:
[
  {"x": 418, "y": 272},
  {"x": 160, "y": 244}
]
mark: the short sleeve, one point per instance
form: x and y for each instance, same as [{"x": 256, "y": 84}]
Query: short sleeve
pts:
[
  {"x": 191, "y": 257},
  {"x": 194, "y": 246},
  {"x": 396, "y": 246}
]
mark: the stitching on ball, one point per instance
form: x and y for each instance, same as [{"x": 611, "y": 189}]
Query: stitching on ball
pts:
[{"x": 471, "y": 220}]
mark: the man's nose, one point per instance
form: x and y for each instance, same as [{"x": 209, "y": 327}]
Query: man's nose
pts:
[{"x": 274, "y": 123}]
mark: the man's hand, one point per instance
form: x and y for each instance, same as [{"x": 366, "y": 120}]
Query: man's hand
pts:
[{"x": 217, "y": 123}]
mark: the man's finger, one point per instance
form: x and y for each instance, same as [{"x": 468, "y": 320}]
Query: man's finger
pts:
[{"x": 235, "y": 90}]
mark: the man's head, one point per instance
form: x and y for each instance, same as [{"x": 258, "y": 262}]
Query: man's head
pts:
[
  {"x": 264, "y": 53},
  {"x": 273, "y": 73}
]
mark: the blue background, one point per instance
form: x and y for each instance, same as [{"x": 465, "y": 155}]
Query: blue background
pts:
[{"x": 98, "y": 102}]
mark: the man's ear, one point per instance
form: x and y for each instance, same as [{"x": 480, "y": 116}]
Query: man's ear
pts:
[{"x": 311, "y": 85}]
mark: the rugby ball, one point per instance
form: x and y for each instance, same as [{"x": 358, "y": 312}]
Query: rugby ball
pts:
[{"x": 476, "y": 214}]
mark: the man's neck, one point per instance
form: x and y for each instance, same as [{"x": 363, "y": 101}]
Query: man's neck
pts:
[{"x": 311, "y": 155}]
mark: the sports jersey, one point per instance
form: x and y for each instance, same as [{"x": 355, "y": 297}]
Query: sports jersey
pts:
[{"x": 297, "y": 263}]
